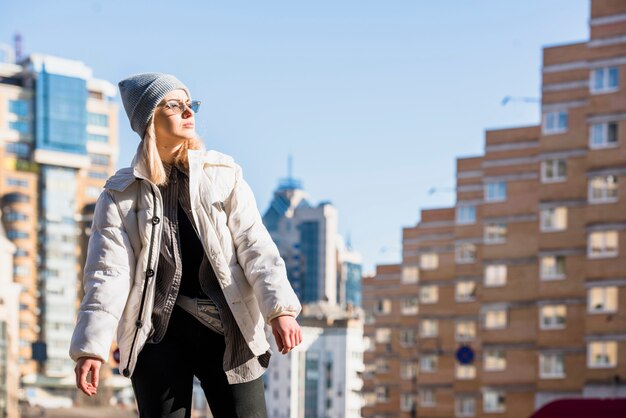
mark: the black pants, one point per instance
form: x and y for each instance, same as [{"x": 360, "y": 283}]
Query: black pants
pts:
[{"x": 163, "y": 377}]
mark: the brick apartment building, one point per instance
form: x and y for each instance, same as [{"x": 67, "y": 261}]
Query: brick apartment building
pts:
[{"x": 521, "y": 286}]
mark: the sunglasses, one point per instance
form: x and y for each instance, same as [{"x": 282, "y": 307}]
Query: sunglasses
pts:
[{"x": 178, "y": 106}]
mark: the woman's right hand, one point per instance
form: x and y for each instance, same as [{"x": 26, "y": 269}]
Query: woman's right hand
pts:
[{"x": 84, "y": 365}]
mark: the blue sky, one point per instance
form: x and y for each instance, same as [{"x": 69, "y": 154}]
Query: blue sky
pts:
[{"x": 374, "y": 99}]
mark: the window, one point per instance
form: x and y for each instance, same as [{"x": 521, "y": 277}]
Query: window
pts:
[
  {"x": 409, "y": 306},
  {"x": 465, "y": 291},
  {"x": 603, "y": 189},
  {"x": 410, "y": 274},
  {"x": 429, "y": 261},
  {"x": 15, "y": 216},
  {"x": 552, "y": 317},
  {"x": 602, "y": 244},
  {"x": 97, "y": 119},
  {"x": 18, "y": 148},
  {"x": 495, "y": 233},
  {"x": 429, "y": 294},
  {"x": 465, "y": 253},
  {"x": 554, "y": 219},
  {"x": 382, "y": 365},
  {"x": 383, "y": 335},
  {"x": 602, "y": 299},
  {"x": 494, "y": 360},
  {"x": 100, "y": 159},
  {"x": 602, "y": 354},
  {"x": 465, "y": 406},
  {"x": 494, "y": 400},
  {"x": 407, "y": 402},
  {"x": 15, "y": 234},
  {"x": 21, "y": 271},
  {"x": 428, "y": 328},
  {"x": 465, "y": 330},
  {"x": 465, "y": 214},
  {"x": 495, "y": 319},
  {"x": 407, "y": 370},
  {"x": 551, "y": 366},
  {"x": 427, "y": 398},
  {"x": 12, "y": 181},
  {"x": 21, "y": 126},
  {"x": 19, "y": 107},
  {"x": 495, "y": 191},
  {"x": 604, "y": 80},
  {"x": 382, "y": 394},
  {"x": 495, "y": 275},
  {"x": 428, "y": 363},
  {"x": 407, "y": 337},
  {"x": 552, "y": 267},
  {"x": 465, "y": 371},
  {"x": 553, "y": 170},
  {"x": 555, "y": 122},
  {"x": 603, "y": 135},
  {"x": 382, "y": 306},
  {"x": 97, "y": 138},
  {"x": 98, "y": 175}
]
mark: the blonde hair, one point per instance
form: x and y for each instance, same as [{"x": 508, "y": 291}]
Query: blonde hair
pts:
[{"x": 152, "y": 160}]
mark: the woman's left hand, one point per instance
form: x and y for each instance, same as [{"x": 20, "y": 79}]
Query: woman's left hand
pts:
[{"x": 287, "y": 333}]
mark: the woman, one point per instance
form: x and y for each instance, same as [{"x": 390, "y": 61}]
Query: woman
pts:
[{"x": 180, "y": 262}]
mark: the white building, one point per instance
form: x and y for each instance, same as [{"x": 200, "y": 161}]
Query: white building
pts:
[
  {"x": 9, "y": 328},
  {"x": 322, "y": 376}
]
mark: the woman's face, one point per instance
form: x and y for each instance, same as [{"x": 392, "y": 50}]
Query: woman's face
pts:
[{"x": 170, "y": 125}]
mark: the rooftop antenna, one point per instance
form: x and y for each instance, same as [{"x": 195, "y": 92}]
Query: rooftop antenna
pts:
[{"x": 17, "y": 43}]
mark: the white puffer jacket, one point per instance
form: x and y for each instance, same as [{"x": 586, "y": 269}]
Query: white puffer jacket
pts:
[{"x": 123, "y": 253}]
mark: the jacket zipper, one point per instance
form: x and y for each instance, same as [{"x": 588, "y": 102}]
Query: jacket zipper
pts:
[{"x": 149, "y": 274}]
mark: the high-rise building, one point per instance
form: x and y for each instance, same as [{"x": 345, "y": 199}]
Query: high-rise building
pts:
[
  {"x": 521, "y": 289},
  {"x": 9, "y": 330},
  {"x": 319, "y": 266},
  {"x": 58, "y": 144},
  {"x": 322, "y": 376}
]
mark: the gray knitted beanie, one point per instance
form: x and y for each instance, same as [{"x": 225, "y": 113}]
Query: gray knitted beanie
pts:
[{"x": 141, "y": 93}]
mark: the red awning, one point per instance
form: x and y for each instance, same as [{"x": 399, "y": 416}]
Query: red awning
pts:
[{"x": 579, "y": 408}]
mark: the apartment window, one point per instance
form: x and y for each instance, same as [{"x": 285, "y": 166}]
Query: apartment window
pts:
[
  {"x": 495, "y": 233},
  {"x": 494, "y": 400},
  {"x": 427, "y": 398},
  {"x": 429, "y": 261},
  {"x": 97, "y": 119},
  {"x": 465, "y": 406},
  {"x": 407, "y": 370},
  {"x": 19, "y": 107},
  {"x": 553, "y": 170},
  {"x": 602, "y": 244},
  {"x": 429, "y": 294},
  {"x": 604, "y": 80},
  {"x": 494, "y": 360},
  {"x": 410, "y": 274},
  {"x": 15, "y": 234},
  {"x": 495, "y": 191},
  {"x": 382, "y": 394},
  {"x": 552, "y": 317},
  {"x": 382, "y": 307},
  {"x": 15, "y": 216},
  {"x": 382, "y": 365},
  {"x": 555, "y": 122},
  {"x": 20, "y": 149},
  {"x": 465, "y": 330},
  {"x": 407, "y": 337},
  {"x": 383, "y": 335},
  {"x": 495, "y": 275},
  {"x": 428, "y": 328},
  {"x": 603, "y": 135},
  {"x": 428, "y": 363},
  {"x": 551, "y": 366},
  {"x": 465, "y": 253},
  {"x": 465, "y": 291},
  {"x": 552, "y": 267},
  {"x": 554, "y": 219},
  {"x": 20, "y": 126},
  {"x": 603, "y": 189},
  {"x": 97, "y": 138},
  {"x": 21, "y": 271},
  {"x": 465, "y": 371},
  {"x": 100, "y": 159},
  {"x": 407, "y": 402},
  {"x": 495, "y": 319},
  {"x": 465, "y": 214},
  {"x": 12, "y": 181},
  {"x": 602, "y": 299},
  {"x": 602, "y": 354},
  {"x": 409, "y": 306}
]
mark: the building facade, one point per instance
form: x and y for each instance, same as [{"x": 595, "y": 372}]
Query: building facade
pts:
[
  {"x": 521, "y": 288},
  {"x": 58, "y": 144}
]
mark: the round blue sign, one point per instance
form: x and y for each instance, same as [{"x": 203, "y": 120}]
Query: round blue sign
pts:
[{"x": 465, "y": 355}]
